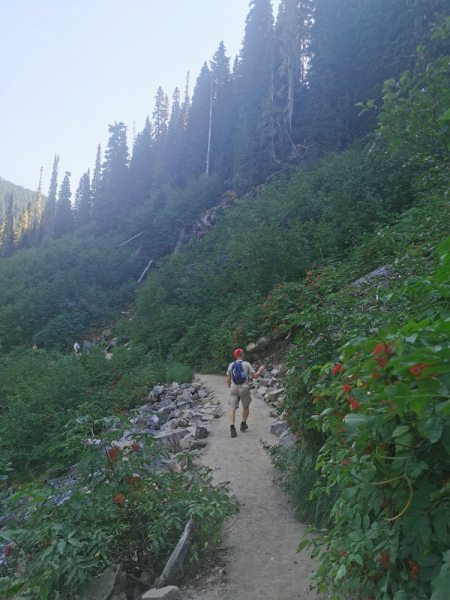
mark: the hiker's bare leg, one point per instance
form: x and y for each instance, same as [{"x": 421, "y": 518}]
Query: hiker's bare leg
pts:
[
  {"x": 232, "y": 415},
  {"x": 245, "y": 413}
]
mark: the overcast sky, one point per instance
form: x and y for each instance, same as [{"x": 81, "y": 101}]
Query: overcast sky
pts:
[{"x": 68, "y": 68}]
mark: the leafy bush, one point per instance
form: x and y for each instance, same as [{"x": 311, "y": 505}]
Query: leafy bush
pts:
[
  {"x": 40, "y": 391},
  {"x": 119, "y": 509}
]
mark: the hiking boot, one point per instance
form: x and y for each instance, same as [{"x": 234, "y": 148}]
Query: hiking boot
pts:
[
  {"x": 233, "y": 432},
  {"x": 244, "y": 426}
]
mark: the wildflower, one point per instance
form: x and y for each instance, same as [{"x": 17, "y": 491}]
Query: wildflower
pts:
[
  {"x": 113, "y": 454},
  {"x": 355, "y": 405},
  {"x": 347, "y": 388},
  {"x": 174, "y": 489},
  {"x": 384, "y": 560},
  {"x": 368, "y": 450},
  {"x": 119, "y": 499},
  {"x": 8, "y": 550},
  {"x": 346, "y": 462},
  {"x": 415, "y": 569},
  {"x": 132, "y": 480},
  {"x": 382, "y": 352},
  {"x": 135, "y": 447},
  {"x": 336, "y": 369},
  {"x": 188, "y": 486},
  {"x": 343, "y": 553}
]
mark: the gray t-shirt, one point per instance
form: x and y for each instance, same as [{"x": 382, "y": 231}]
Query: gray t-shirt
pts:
[{"x": 247, "y": 367}]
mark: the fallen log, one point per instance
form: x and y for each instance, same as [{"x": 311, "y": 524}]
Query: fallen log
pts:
[{"x": 146, "y": 269}]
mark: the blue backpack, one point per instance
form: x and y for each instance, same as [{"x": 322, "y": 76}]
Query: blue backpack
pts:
[{"x": 237, "y": 373}]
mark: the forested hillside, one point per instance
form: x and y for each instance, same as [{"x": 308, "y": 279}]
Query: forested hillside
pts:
[{"x": 322, "y": 154}]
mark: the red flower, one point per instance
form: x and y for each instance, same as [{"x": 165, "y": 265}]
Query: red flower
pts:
[
  {"x": 418, "y": 369},
  {"x": 384, "y": 560},
  {"x": 355, "y": 405},
  {"x": 336, "y": 369},
  {"x": 347, "y": 388},
  {"x": 368, "y": 450},
  {"x": 188, "y": 486},
  {"x": 135, "y": 447},
  {"x": 119, "y": 499},
  {"x": 343, "y": 553},
  {"x": 382, "y": 352},
  {"x": 113, "y": 454},
  {"x": 415, "y": 569},
  {"x": 132, "y": 480},
  {"x": 9, "y": 549},
  {"x": 174, "y": 489},
  {"x": 346, "y": 462}
]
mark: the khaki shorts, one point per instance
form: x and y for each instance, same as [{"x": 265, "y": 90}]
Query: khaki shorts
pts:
[{"x": 239, "y": 393}]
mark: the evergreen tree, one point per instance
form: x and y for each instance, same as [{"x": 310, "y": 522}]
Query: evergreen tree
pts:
[
  {"x": 48, "y": 214},
  {"x": 112, "y": 204},
  {"x": 141, "y": 166},
  {"x": 23, "y": 228},
  {"x": 185, "y": 106},
  {"x": 195, "y": 145},
  {"x": 7, "y": 231},
  {"x": 160, "y": 123},
  {"x": 174, "y": 137},
  {"x": 96, "y": 183},
  {"x": 37, "y": 214},
  {"x": 82, "y": 202},
  {"x": 223, "y": 114},
  {"x": 292, "y": 40},
  {"x": 253, "y": 140},
  {"x": 64, "y": 219}
]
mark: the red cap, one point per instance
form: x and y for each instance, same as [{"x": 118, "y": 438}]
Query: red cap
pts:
[{"x": 237, "y": 353}]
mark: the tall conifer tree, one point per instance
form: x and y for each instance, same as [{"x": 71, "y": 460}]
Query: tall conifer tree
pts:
[
  {"x": 82, "y": 204},
  {"x": 253, "y": 152},
  {"x": 195, "y": 144},
  {"x": 113, "y": 201},
  {"x": 48, "y": 214},
  {"x": 224, "y": 113},
  {"x": 64, "y": 219},
  {"x": 7, "y": 231},
  {"x": 141, "y": 166},
  {"x": 96, "y": 184}
]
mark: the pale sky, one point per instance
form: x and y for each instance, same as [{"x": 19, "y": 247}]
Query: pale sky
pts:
[{"x": 68, "y": 68}]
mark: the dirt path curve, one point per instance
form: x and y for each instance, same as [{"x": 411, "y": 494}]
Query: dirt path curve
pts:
[{"x": 262, "y": 541}]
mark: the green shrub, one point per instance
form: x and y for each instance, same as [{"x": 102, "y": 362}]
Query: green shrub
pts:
[{"x": 120, "y": 510}]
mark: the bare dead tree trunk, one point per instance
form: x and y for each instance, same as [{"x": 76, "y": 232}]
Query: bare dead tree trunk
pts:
[
  {"x": 208, "y": 154},
  {"x": 180, "y": 239},
  {"x": 133, "y": 238},
  {"x": 146, "y": 269}
]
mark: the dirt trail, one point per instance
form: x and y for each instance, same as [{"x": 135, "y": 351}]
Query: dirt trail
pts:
[{"x": 261, "y": 542}]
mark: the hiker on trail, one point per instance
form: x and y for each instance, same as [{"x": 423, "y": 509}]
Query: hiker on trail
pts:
[
  {"x": 237, "y": 375},
  {"x": 76, "y": 347}
]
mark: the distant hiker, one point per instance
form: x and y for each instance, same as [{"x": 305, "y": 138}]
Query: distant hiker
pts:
[
  {"x": 237, "y": 375},
  {"x": 76, "y": 347}
]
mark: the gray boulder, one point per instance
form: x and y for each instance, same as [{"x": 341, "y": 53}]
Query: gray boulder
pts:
[
  {"x": 157, "y": 391},
  {"x": 202, "y": 393},
  {"x": 201, "y": 432},
  {"x": 103, "y": 587},
  {"x": 273, "y": 395},
  {"x": 170, "y": 592},
  {"x": 278, "y": 427},
  {"x": 287, "y": 439},
  {"x": 171, "y": 438}
]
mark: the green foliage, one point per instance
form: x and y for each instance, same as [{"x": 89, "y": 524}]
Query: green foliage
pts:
[
  {"x": 77, "y": 279},
  {"x": 421, "y": 100},
  {"x": 295, "y": 223},
  {"x": 120, "y": 509},
  {"x": 40, "y": 391}
]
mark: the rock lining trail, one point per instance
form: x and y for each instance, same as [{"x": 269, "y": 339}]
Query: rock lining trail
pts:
[{"x": 261, "y": 541}]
